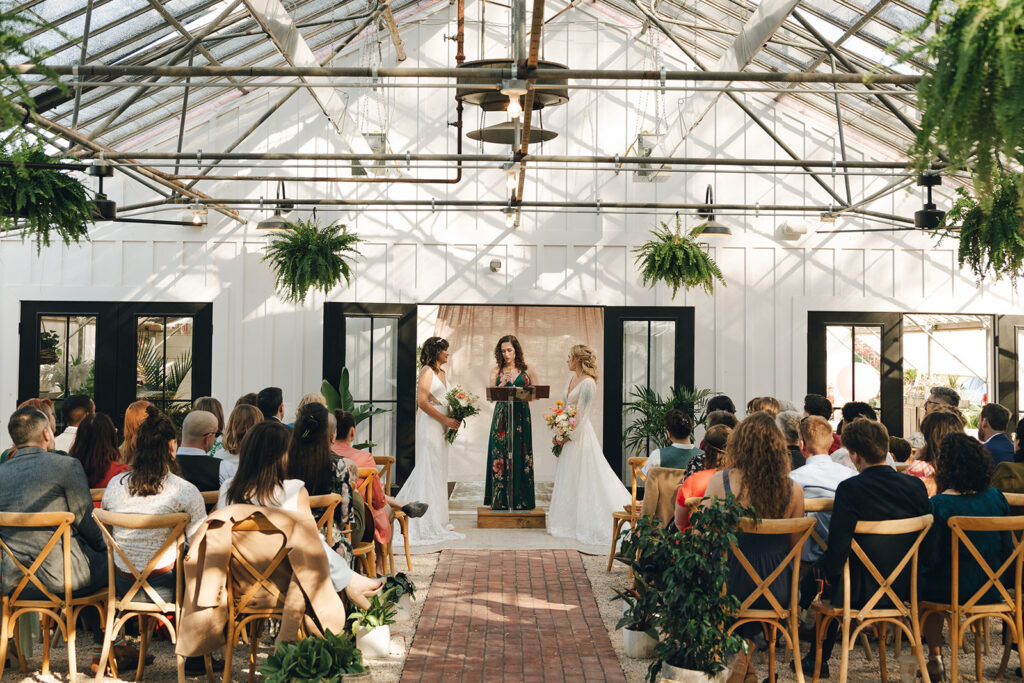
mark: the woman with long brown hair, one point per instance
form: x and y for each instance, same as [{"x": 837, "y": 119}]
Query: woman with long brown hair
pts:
[
  {"x": 509, "y": 474},
  {"x": 758, "y": 476},
  {"x": 133, "y": 417},
  {"x": 95, "y": 446},
  {"x": 243, "y": 418},
  {"x": 936, "y": 426}
]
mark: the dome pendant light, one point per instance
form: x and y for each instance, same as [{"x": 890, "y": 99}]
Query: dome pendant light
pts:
[
  {"x": 279, "y": 219},
  {"x": 711, "y": 227}
]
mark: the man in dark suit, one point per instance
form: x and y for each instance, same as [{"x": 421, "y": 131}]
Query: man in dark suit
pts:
[
  {"x": 992, "y": 424},
  {"x": 877, "y": 493},
  {"x": 198, "y": 432},
  {"x": 270, "y": 401}
]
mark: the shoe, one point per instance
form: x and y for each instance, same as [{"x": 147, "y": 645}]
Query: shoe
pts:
[
  {"x": 807, "y": 664},
  {"x": 414, "y": 510},
  {"x": 936, "y": 669},
  {"x": 127, "y": 651},
  {"x": 194, "y": 666}
]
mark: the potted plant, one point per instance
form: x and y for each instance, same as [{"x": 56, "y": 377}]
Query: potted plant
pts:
[
  {"x": 647, "y": 430},
  {"x": 49, "y": 347},
  {"x": 639, "y": 636},
  {"x": 331, "y": 659},
  {"x": 41, "y": 202},
  {"x": 402, "y": 592},
  {"x": 676, "y": 258},
  {"x": 372, "y": 626},
  {"x": 990, "y": 235},
  {"x": 339, "y": 397},
  {"x": 310, "y": 256}
]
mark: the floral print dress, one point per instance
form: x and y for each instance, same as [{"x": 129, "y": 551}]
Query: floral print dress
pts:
[{"x": 513, "y": 478}]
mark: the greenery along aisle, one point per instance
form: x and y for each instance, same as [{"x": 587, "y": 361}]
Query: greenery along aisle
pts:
[{"x": 309, "y": 256}]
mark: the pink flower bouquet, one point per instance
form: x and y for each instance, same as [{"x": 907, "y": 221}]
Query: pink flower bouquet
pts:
[{"x": 562, "y": 421}]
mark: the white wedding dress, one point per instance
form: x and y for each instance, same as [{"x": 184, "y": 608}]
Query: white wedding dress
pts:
[
  {"x": 586, "y": 491},
  {"x": 428, "y": 482}
]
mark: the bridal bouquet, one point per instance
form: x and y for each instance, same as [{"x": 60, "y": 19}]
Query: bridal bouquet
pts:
[
  {"x": 461, "y": 404},
  {"x": 562, "y": 420}
]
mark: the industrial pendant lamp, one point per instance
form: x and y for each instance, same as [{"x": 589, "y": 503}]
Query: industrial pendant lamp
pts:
[
  {"x": 712, "y": 226},
  {"x": 929, "y": 217},
  {"x": 278, "y": 220}
]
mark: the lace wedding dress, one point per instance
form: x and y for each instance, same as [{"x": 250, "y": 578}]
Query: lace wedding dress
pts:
[
  {"x": 428, "y": 482},
  {"x": 586, "y": 491}
]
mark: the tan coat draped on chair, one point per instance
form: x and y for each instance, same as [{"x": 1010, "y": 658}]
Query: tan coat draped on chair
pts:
[
  {"x": 660, "y": 493},
  {"x": 303, "y": 577}
]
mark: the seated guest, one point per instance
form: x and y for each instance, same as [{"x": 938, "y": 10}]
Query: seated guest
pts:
[
  {"x": 38, "y": 480},
  {"x": 212, "y": 405},
  {"x": 74, "y": 409},
  {"x": 44, "y": 405},
  {"x": 198, "y": 432},
  {"x": 816, "y": 404},
  {"x": 680, "y": 451},
  {"x": 767, "y": 404},
  {"x": 788, "y": 422},
  {"x": 242, "y": 419},
  {"x": 759, "y": 476},
  {"x": 696, "y": 482},
  {"x": 851, "y": 411},
  {"x": 720, "y": 402},
  {"x": 715, "y": 417},
  {"x": 938, "y": 397},
  {"x": 935, "y": 426},
  {"x": 271, "y": 402},
  {"x": 818, "y": 478},
  {"x": 992, "y": 424},
  {"x": 962, "y": 475},
  {"x": 899, "y": 448},
  {"x": 262, "y": 480},
  {"x": 250, "y": 399},
  {"x": 95, "y": 447},
  {"x": 313, "y": 397},
  {"x": 876, "y": 493},
  {"x": 133, "y": 417}
]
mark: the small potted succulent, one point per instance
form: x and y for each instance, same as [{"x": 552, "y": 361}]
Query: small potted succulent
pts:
[
  {"x": 372, "y": 626},
  {"x": 331, "y": 659},
  {"x": 402, "y": 592}
]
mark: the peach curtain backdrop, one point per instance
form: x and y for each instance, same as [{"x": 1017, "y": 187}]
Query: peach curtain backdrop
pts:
[{"x": 545, "y": 333}]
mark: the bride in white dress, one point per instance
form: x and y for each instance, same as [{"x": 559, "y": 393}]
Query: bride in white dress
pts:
[
  {"x": 586, "y": 491},
  {"x": 429, "y": 479}
]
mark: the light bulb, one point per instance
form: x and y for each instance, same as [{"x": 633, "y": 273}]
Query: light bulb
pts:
[
  {"x": 511, "y": 181},
  {"x": 197, "y": 219},
  {"x": 515, "y": 110},
  {"x": 510, "y": 220}
]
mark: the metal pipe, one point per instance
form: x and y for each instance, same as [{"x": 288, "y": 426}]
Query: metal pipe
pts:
[
  {"x": 83, "y": 55},
  {"x": 473, "y": 72}
]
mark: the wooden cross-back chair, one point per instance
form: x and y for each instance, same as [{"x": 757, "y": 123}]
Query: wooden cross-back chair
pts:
[
  {"x": 327, "y": 506},
  {"x": 121, "y": 609},
  {"x": 261, "y": 599},
  {"x": 210, "y": 499},
  {"x": 62, "y": 609},
  {"x": 776, "y": 617},
  {"x": 631, "y": 513},
  {"x": 97, "y": 494},
  {"x": 966, "y": 613},
  {"x": 388, "y": 462},
  {"x": 364, "y": 550},
  {"x": 869, "y": 614}
]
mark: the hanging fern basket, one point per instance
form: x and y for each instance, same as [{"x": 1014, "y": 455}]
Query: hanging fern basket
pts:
[
  {"x": 308, "y": 256},
  {"x": 991, "y": 236},
  {"x": 42, "y": 203},
  {"x": 676, "y": 258}
]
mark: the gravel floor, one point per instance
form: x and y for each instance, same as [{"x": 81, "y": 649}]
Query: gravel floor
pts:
[
  {"x": 164, "y": 667},
  {"x": 861, "y": 669}
]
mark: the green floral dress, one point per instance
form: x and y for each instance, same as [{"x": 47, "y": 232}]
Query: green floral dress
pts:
[{"x": 496, "y": 493}]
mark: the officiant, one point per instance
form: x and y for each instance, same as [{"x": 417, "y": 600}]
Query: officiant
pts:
[{"x": 510, "y": 444}]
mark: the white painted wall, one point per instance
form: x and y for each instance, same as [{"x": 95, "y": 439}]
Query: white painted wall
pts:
[{"x": 750, "y": 336}]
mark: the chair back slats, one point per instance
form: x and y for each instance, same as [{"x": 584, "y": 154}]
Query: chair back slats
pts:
[
  {"x": 174, "y": 522},
  {"x": 1014, "y": 499},
  {"x": 773, "y": 527},
  {"x": 818, "y": 504},
  {"x": 892, "y": 527},
  {"x": 366, "y": 475},
  {"x": 258, "y": 582},
  {"x": 328, "y": 503},
  {"x": 636, "y": 472},
  {"x": 961, "y": 527},
  {"x": 387, "y": 464},
  {"x": 61, "y": 523},
  {"x": 97, "y": 494}
]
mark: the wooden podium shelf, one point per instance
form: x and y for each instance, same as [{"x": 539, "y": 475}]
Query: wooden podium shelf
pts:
[{"x": 486, "y": 518}]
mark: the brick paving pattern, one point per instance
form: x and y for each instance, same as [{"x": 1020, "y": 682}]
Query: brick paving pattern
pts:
[{"x": 511, "y": 616}]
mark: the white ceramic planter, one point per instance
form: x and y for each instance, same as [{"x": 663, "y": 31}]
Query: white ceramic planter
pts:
[
  {"x": 637, "y": 644},
  {"x": 374, "y": 643},
  {"x": 673, "y": 674},
  {"x": 404, "y": 606}
]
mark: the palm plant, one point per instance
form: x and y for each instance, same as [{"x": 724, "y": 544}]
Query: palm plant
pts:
[
  {"x": 339, "y": 397},
  {"x": 154, "y": 376},
  {"x": 310, "y": 256},
  {"x": 648, "y": 427}
]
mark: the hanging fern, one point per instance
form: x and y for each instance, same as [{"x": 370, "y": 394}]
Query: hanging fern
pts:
[
  {"x": 677, "y": 259},
  {"x": 41, "y": 201},
  {"x": 972, "y": 100},
  {"x": 991, "y": 237},
  {"x": 308, "y": 256}
]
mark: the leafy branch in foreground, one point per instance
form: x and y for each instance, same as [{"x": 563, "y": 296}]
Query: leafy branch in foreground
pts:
[{"x": 15, "y": 28}]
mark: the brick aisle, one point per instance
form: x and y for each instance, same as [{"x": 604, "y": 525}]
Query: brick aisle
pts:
[{"x": 515, "y": 615}]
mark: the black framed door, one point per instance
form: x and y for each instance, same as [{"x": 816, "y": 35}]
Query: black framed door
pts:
[
  {"x": 381, "y": 338},
  {"x": 1009, "y": 371},
  {"x": 93, "y": 348},
  {"x": 640, "y": 342},
  {"x": 872, "y": 340}
]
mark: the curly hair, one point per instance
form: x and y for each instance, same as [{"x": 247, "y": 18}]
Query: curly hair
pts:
[
  {"x": 715, "y": 441},
  {"x": 756, "y": 448},
  {"x": 432, "y": 348},
  {"x": 500, "y": 361},
  {"x": 584, "y": 356},
  {"x": 935, "y": 426},
  {"x": 963, "y": 464}
]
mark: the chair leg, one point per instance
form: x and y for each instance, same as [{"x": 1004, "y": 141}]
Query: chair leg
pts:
[
  {"x": 181, "y": 669},
  {"x": 918, "y": 646},
  {"x": 820, "y": 627},
  {"x": 771, "y": 651},
  {"x": 70, "y": 615},
  {"x": 108, "y": 640},
  {"x": 616, "y": 527},
  {"x": 5, "y": 633},
  {"x": 865, "y": 645},
  {"x": 404, "y": 523},
  {"x": 955, "y": 636},
  {"x": 44, "y": 625},
  {"x": 882, "y": 631},
  {"x": 145, "y": 627},
  {"x": 208, "y": 663},
  {"x": 229, "y": 650},
  {"x": 979, "y": 636},
  {"x": 844, "y": 657},
  {"x": 255, "y": 628}
]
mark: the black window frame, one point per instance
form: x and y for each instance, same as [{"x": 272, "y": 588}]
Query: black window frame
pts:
[{"x": 1008, "y": 357}]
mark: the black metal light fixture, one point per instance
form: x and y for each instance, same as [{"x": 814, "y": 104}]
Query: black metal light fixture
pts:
[
  {"x": 278, "y": 220},
  {"x": 105, "y": 209},
  {"x": 712, "y": 226},
  {"x": 929, "y": 218}
]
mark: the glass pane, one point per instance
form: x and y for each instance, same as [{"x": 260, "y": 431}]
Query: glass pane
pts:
[
  {"x": 52, "y": 356},
  {"x": 385, "y": 359},
  {"x": 358, "y": 357},
  {"x": 67, "y": 356},
  {"x": 179, "y": 359},
  {"x": 81, "y": 349},
  {"x": 663, "y": 352},
  {"x": 634, "y": 356},
  {"x": 839, "y": 363},
  {"x": 164, "y": 359},
  {"x": 149, "y": 359},
  {"x": 384, "y": 431},
  {"x": 867, "y": 365}
]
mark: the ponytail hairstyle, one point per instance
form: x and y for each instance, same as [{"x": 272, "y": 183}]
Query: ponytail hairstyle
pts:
[
  {"x": 261, "y": 464},
  {"x": 309, "y": 454},
  {"x": 153, "y": 458},
  {"x": 432, "y": 348},
  {"x": 346, "y": 422},
  {"x": 584, "y": 356}
]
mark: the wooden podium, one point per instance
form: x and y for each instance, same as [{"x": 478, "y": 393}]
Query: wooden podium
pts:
[{"x": 486, "y": 518}]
